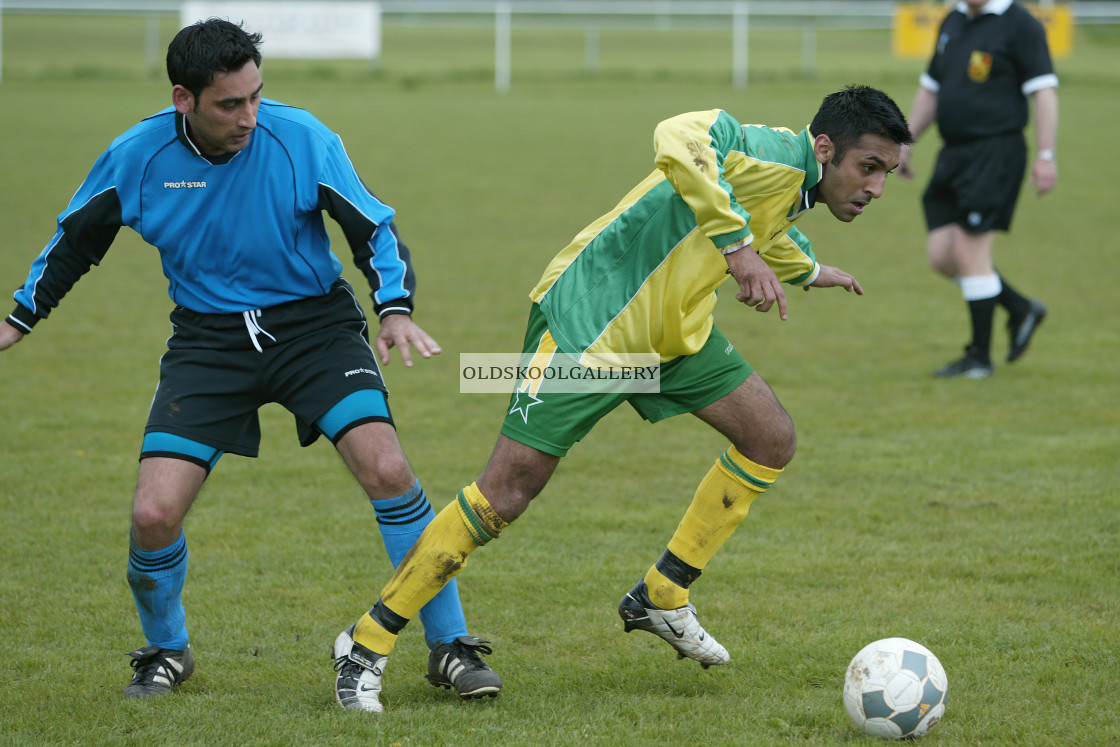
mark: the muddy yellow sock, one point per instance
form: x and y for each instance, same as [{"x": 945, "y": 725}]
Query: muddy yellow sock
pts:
[
  {"x": 464, "y": 525},
  {"x": 663, "y": 592},
  {"x": 372, "y": 634},
  {"x": 439, "y": 554},
  {"x": 720, "y": 504}
]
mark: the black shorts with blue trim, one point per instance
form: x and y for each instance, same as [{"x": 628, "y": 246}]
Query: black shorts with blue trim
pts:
[{"x": 309, "y": 356}]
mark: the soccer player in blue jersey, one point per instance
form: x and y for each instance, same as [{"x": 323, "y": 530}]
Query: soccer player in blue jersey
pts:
[{"x": 230, "y": 188}]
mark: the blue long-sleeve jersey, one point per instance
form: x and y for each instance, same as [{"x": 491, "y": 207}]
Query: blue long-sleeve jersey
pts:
[{"x": 239, "y": 232}]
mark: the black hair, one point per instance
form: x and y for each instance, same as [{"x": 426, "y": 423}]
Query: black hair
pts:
[
  {"x": 205, "y": 48},
  {"x": 855, "y": 111}
]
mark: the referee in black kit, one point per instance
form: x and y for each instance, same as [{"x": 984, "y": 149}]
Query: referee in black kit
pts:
[{"x": 991, "y": 57}]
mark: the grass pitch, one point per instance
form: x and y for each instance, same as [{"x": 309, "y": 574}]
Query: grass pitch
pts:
[{"x": 978, "y": 518}]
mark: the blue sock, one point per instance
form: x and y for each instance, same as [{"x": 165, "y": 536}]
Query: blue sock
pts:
[
  {"x": 401, "y": 521},
  {"x": 156, "y": 579}
]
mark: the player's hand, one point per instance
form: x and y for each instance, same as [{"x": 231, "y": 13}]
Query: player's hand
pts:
[
  {"x": 758, "y": 285},
  {"x": 1044, "y": 175},
  {"x": 399, "y": 331},
  {"x": 834, "y": 277},
  {"x": 9, "y": 335},
  {"x": 903, "y": 170}
]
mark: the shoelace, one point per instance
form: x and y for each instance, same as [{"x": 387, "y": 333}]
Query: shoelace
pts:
[
  {"x": 255, "y": 329},
  {"x": 470, "y": 655},
  {"x": 149, "y": 665}
]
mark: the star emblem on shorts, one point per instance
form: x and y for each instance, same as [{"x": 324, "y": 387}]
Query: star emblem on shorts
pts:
[{"x": 522, "y": 401}]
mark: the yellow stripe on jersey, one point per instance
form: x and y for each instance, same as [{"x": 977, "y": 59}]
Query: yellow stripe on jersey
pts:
[
  {"x": 568, "y": 254},
  {"x": 670, "y": 334},
  {"x": 542, "y": 357}
]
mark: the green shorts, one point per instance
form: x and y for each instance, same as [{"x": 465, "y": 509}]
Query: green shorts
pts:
[{"x": 553, "y": 422}]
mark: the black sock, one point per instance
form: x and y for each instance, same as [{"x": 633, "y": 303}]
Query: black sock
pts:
[
  {"x": 1016, "y": 304},
  {"x": 982, "y": 311}
]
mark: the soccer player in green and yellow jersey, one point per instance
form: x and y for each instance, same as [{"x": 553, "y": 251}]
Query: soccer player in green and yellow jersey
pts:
[{"x": 642, "y": 279}]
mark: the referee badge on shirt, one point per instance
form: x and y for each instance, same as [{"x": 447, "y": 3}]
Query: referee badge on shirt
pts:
[{"x": 979, "y": 67}]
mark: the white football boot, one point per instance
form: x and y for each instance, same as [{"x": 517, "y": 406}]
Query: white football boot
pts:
[
  {"x": 358, "y": 685},
  {"x": 679, "y": 627}
]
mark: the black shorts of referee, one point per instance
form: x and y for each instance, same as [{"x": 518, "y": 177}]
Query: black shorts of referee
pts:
[{"x": 976, "y": 184}]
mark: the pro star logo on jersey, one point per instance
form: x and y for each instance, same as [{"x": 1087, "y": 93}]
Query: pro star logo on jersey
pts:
[
  {"x": 979, "y": 67},
  {"x": 357, "y": 371},
  {"x": 184, "y": 184},
  {"x": 522, "y": 401}
]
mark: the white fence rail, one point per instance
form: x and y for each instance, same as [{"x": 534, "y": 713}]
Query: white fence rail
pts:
[{"x": 587, "y": 15}]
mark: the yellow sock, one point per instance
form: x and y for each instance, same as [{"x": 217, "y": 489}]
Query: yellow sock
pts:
[
  {"x": 440, "y": 553},
  {"x": 720, "y": 504},
  {"x": 374, "y": 637},
  {"x": 663, "y": 592}
]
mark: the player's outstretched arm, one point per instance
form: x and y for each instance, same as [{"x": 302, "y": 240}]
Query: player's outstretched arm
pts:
[
  {"x": 9, "y": 335},
  {"x": 834, "y": 277},
  {"x": 399, "y": 331}
]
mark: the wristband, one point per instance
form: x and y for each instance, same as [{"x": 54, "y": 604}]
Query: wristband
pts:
[{"x": 1047, "y": 154}]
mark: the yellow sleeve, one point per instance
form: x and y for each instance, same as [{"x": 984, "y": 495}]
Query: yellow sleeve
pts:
[
  {"x": 690, "y": 150},
  {"x": 791, "y": 258}
]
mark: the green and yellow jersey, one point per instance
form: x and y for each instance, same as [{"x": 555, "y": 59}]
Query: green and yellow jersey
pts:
[{"x": 643, "y": 277}]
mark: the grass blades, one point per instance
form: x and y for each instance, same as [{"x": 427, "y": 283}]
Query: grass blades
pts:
[{"x": 977, "y": 518}]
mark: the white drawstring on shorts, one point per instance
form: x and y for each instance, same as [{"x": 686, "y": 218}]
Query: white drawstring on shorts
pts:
[{"x": 254, "y": 328}]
